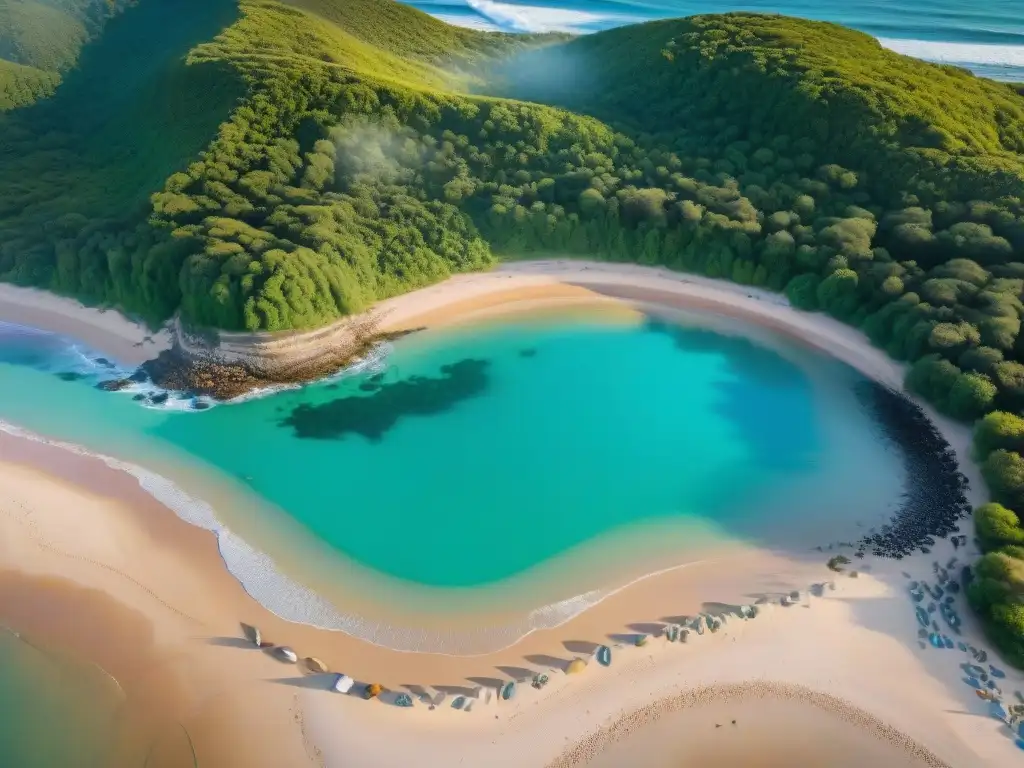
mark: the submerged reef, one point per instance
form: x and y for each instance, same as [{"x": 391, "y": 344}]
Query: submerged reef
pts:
[{"x": 935, "y": 499}]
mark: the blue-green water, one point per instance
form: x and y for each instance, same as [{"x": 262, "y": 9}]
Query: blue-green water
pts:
[
  {"x": 57, "y": 712},
  {"x": 481, "y": 457}
]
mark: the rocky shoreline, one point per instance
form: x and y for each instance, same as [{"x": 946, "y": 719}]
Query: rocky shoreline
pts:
[{"x": 198, "y": 366}]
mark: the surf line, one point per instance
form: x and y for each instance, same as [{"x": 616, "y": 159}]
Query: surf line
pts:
[{"x": 293, "y": 602}]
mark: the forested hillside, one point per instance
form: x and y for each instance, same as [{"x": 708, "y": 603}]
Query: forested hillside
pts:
[
  {"x": 40, "y": 39},
  {"x": 272, "y": 165}
]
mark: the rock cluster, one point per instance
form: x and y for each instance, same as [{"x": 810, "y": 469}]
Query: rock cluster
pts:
[{"x": 935, "y": 499}]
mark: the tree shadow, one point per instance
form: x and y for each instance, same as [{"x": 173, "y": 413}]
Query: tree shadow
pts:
[{"x": 545, "y": 660}]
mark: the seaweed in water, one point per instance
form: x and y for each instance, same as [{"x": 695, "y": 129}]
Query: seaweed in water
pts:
[
  {"x": 373, "y": 415},
  {"x": 528, "y": 352},
  {"x": 70, "y": 376}
]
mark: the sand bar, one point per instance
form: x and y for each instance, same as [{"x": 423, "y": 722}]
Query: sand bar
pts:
[{"x": 69, "y": 524}]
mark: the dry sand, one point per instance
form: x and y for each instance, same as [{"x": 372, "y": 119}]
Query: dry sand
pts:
[{"x": 91, "y": 563}]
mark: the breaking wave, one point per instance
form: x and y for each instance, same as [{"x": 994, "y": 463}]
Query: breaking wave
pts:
[
  {"x": 1001, "y": 61},
  {"x": 510, "y": 17},
  {"x": 983, "y": 57}
]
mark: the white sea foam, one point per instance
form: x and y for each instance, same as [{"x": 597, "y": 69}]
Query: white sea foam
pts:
[
  {"x": 532, "y": 18},
  {"x": 537, "y": 18},
  {"x": 84, "y": 362},
  {"x": 958, "y": 53},
  {"x": 294, "y": 602},
  {"x": 470, "y": 22}
]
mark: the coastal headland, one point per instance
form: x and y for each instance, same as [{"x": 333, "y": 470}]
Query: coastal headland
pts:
[{"x": 83, "y": 545}]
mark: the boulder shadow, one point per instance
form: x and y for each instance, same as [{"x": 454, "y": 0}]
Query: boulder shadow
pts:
[
  {"x": 721, "y": 609},
  {"x": 419, "y": 692},
  {"x": 320, "y": 682},
  {"x": 454, "y": 690},
  {"x": 519, "y": 674},
  {"x": 232, "y": 642},
  {"x": 622, "y": 638},
  {"x": 585, "y": 647},
  {"x": 647, "y": 628},
  {"x": 390, "y": 698},
  {"x": 551, "y": 662},
  {"x": 488, "y": 682}
]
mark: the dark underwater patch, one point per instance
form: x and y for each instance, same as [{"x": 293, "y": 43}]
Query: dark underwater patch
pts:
[
  {"x": 758, "y": 425},
  {"x": 70, "y": 376},
  {"x": 528, "y": 352},
  {"x": 373, "y": 415},
  {"x": 935, "y": 500}
]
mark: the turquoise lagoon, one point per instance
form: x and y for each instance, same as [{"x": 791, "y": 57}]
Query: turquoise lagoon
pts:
[{"x": 520, "y": 462}]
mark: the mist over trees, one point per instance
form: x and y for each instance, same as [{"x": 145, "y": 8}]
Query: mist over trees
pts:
[{"x": 270, "y": 165}]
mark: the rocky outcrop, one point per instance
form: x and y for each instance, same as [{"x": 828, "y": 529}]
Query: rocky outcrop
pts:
[
  {"x": 226, "y": 366},
  {"x": 115, "y": 385}
]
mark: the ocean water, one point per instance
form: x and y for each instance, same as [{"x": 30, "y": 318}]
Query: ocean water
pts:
[
  {"x": 535, "y": 463},
  {"x": 985, "y": 37}
]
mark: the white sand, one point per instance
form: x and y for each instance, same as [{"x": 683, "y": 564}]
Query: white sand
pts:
[{"x": 858, "y": 643}]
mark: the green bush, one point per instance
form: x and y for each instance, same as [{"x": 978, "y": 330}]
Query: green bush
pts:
[{"x": 997, "y": 526}]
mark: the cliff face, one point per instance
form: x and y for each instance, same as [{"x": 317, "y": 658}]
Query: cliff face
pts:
[{"x": 228, "y": 365}]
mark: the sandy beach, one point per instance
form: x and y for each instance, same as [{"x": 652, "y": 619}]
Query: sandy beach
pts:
[
  {"x": 106, "y": 330},
  {"x": 91, "y": 563}
]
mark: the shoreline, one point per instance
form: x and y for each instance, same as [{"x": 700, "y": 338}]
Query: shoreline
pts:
[
  {"x": 517, "y": 283},
  {"x": 105, "y": 330}
]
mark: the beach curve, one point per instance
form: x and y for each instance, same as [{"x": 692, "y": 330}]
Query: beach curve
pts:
[
  {"x": 542, "y": 283},
  {"x": 513, "y": 287}
]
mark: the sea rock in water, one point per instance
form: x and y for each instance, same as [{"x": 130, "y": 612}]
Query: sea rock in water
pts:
[{"x": 114, "y": 385}]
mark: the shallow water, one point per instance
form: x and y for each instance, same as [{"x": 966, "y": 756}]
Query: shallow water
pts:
[
  {"x": 987, "y": 38},
  {"x": 515, "y": 463},
  {"x": 57, "y": 712}
]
